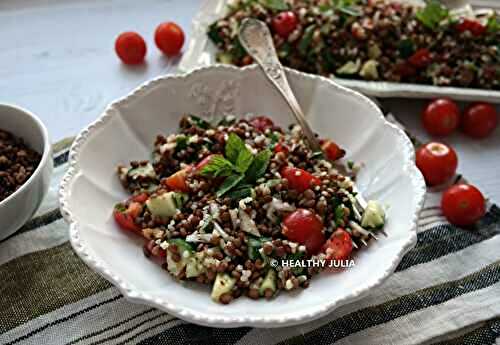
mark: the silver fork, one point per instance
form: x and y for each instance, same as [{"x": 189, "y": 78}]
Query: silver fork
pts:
[{"x": 256, "y": 38}]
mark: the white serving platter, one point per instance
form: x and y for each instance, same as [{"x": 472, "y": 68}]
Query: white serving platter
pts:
[{"x": 201, "y": 52}]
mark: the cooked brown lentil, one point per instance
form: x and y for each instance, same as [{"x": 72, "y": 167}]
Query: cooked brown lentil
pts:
[{"x": 17, "y": 163}]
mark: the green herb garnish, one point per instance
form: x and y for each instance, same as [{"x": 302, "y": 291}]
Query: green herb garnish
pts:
[
  {"x": 306, "y": 40},
  {"x": 218, "y": 166},
  {"x": 241, "y": 191},
  {"x": 181, "y": 143},
  {"x": 259, "y": 165},
  {"x": 239, "y": 165},
  {"x": 230, "y": 182},
  {"x": 339, "y": 214},
  {"x": 406, "y": 48},
  {"x": 493, "y": 24},
  {"x": 432, "y": 14},
  {"x": 213, "y": 34},
  {"x": 278, "y": 5}
]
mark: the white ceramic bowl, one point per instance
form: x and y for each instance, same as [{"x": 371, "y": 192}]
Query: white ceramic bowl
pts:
[
  {"x": 22, "y": 204},
  {"x": 126, "y": 131}
]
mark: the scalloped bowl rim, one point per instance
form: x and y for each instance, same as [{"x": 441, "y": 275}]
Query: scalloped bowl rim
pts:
[{"x": 136, "y": 296}]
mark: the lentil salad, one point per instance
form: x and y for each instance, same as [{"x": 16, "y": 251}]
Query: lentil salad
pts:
[
  {"x": 218, "y": 203},
  {"x": 371, "y": 40}
]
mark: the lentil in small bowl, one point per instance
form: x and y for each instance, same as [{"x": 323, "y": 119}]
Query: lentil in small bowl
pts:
[{"x": 25, "y": 167}]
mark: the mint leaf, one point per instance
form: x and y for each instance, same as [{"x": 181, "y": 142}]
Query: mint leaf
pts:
[
  {"x": 279, "y": 5},
  {"x": 339, "y": 214},
  {"x": 218, "y": 166},
  {"x": 406, "y": 48},
  {"x": 229, "y": 183},
  {"x": 241, "y": 191},
  {"x": 493, "y": 24},
  {"x": 432, "y": 14},
  {"x": 234, "y": 146},
  {"x": 245, "y": 158},
  {"x": 306, "y": 39},
  {"x": 199, "y": 122},
  {"x": 259, "y": 165},
  {"x": 181, "y": 143}
]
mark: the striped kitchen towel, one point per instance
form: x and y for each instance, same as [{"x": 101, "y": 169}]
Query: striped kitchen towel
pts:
[{"x": 445, "y": 291}]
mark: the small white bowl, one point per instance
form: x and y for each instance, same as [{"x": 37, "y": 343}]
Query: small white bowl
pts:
[
  {"x": 126, "y": 132},
  {"x": 18, "y": 207}
]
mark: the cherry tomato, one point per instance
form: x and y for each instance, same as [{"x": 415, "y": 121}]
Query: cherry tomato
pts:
[
  {"x": 177, "y": 181},
  {"x": 281, "y": 148},
  {"x": 479, "y": 120},
  {"x": 421, "y": 58},
  {"x": 463, "y": 204},
  {"x": 125, "y": 219},
  {"x": 134, "y": 209},
  {"x": 299, "y": 179},
  {"x": 169, "y": 38},
  {"x": 130, "y": 48},
  {"x": 140, "y": 198},
  {"x": 475, "y": 27},
  {"x": 404, "y": 69},
  {"x": 284, "y": 23},
  {"x": 437, "y": 162},
  {"x": 441, "y": 117},
  {"x": 338, "y": 246},
  {"x": 332, "y": 150},
  {"x": 262, "y": 123},
  {"x": 304, "y": 227}
]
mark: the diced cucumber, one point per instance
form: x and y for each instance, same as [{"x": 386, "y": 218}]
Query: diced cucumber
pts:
[
  {"x": 187, "y": 260},
  {"x": 269, "y": 282},
  {"x": 163, "y": 205},
  {"x": 193, "y": 267},
  {"x": 181, "y": 245},
  {"x": 223, "y": 284},
  {"x": 369, "y": 70},
  {"x": 351, "y": 67},
  {"x": 225, "y": 58},
  {"x": 374, "y": 215}
]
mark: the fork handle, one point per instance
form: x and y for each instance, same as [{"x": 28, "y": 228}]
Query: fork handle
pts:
[{"x": 256, "y": 38}]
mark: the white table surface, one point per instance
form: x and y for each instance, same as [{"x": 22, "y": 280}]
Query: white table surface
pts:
[{"x": 57, "y": 60}]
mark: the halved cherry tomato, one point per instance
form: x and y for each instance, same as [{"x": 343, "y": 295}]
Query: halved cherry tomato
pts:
[
  {"x": 177, "y": 181},
  {"x": 125, "y": 219},
  {"x": 284, "y": 23},
  {"x": 332, "y": 150},
  {"x": 405, "y": 69},
  {"x": 338, "y": 246},
  {"x": 130, "y": 48},
  {"x": 437, "y": 162},
  {"x": 262, "y": 123},
  {"x": 475, "y": 27},
  {"x": 479, "y": 120},
  {"x": 441, "y": 117},
  {"x": 299, "y": 179},
  {"x": 140, "y": 198},
  {"x": 280, "y": 148},
  {"x": 169, "y": 38},
  {"x": 304, "y": 227},
  {"x": 421, "y": 58},
  {"x": 463, "y": 204}
]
